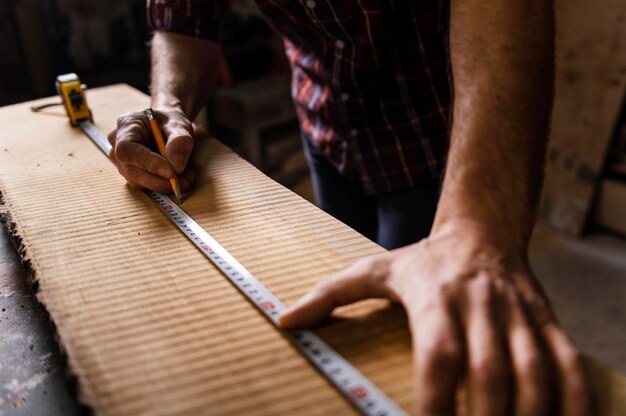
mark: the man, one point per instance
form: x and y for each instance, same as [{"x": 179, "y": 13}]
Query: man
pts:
[{"x": 372, "y": 84}]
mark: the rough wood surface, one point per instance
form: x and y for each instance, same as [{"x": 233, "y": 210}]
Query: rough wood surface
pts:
[
  {"x": 149, "y": 325},
  {"x": 590, "y": 85}
]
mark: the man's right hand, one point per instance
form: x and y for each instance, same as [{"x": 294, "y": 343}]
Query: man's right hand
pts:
[{"x": 142, "y": 167}]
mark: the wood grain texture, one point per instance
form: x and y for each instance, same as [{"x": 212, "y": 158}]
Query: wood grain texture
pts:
[
  {"x": 149, "y": 325},
  {"x": 590, "y": 85}
]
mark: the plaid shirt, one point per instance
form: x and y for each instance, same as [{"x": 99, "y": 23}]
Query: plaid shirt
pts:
[{"x": 370, "y": 79}]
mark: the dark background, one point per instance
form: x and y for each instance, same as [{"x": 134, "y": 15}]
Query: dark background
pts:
[{"x": 106, "y": 42}]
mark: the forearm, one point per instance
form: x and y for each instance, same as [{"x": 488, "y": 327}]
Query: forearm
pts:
[
  {"x": 184, "y": 70},
  {"x": 502, "y": 57}
]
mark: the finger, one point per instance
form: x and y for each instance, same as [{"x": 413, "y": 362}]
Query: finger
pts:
[
  {"x": 438, "y": 355},
  {"x": 134, "y": 186},
  {"x": 532, "y": 383},
  {"x": 576, "y": 397},
  {"x": 111, "y": 156},
  {"x": 131, "y": 137},
  {"x": 186, "y": 179},
  {"x": 130, "y": 153},
  {"x": 364, "y": 279},
  {"x": 133, "y": 127},
  {"x": 488, "y": 378},
  {"x": 139, "y": 179},
  {"x": 112, "y": 136},
  {"x": 179, "y": 146},
  {"x": 144, "y": 180}
]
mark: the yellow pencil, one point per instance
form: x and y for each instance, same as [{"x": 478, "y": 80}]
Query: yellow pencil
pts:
[{"x": 158, "y": 137}]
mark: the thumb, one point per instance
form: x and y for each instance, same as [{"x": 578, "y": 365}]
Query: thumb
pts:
[
  {"x": 178, "y": 147},
  {"x": 365, "y": 279}
]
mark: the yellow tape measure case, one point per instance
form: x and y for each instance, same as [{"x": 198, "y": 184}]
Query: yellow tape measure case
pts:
[{"x": 72, "y": 92}]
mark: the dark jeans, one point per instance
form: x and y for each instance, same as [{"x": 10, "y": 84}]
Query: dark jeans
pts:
[{"x": 392, "y": 219}]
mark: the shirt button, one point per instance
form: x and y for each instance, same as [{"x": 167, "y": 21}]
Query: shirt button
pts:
[
  {"x": 340, "y": 44},
  {"x": 310, "y": 4},
  {"x": 344, "y": 97},
  {"x": 353, "y": 132}
]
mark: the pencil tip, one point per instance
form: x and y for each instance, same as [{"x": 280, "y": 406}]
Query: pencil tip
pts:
[{"x": 179, "y": 197}]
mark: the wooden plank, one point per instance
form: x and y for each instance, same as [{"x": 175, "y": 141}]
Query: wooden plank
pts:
[
  {"x": 149, "y": 325},
  {"x": 591, "y": 76},
  {"x": 146, "y": 331}
]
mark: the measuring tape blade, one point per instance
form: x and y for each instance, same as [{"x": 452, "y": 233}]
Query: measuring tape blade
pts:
[
  {"x": 96, "y": 136},
  {"x": 362, "y": 393}
]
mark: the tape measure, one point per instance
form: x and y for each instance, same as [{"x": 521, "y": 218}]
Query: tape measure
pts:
[
  {"x": 72, "y": 93},
  {"x": 362, "y": 393}
]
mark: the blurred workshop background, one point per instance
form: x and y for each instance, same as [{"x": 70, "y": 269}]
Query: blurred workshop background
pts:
[{"x": 578, "y": 251}]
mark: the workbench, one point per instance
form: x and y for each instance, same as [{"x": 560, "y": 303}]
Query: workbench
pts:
[
  {"x": 33, "y": 373},
  {"x": 146, "y": 335}
]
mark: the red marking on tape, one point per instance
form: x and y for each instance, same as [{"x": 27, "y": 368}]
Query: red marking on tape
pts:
[
  {"x": 167, "y": 207},
  {"x": 268, "y": 306},
  {"x": 206, "y": 248},
  {"x": 359, "y": 393}
]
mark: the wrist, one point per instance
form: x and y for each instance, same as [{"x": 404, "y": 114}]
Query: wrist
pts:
[
  {"x": 494, "y": 216},
  {"x": 163, "y": 102},
  {"x": 506, "y": 240}
]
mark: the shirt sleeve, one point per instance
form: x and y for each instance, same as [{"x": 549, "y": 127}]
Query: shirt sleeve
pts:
[{"x": 197, "y": 18}]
